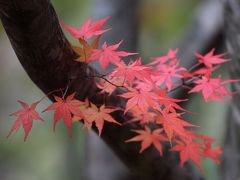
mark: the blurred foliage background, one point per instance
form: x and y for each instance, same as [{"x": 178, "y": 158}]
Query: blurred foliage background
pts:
[{"x": 53, "y": 156}]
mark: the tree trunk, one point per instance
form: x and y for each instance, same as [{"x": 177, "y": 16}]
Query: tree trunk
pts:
[
  {"x": 35, "y": 34},
  {"x": 231, "y": 160}
]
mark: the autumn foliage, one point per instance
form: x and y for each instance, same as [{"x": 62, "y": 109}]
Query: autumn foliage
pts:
[{"x": 145, "y": 88}]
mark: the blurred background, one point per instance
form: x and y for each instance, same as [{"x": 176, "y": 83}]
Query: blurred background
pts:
[{"x": 149, "y": 27}]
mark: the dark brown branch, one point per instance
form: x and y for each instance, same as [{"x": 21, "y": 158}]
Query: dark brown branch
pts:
[{"x": 33, "y": 29}]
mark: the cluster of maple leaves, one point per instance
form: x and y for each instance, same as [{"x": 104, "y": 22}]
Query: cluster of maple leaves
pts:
[{"x": 145, "y": 88}]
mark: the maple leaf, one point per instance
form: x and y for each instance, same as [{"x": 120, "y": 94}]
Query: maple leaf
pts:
[
  {"x": 212, "y": 88},
  {"x": 141, "y": 117},
  {"x": 99, "y": 115},
  {"x": 108, "y": 54},
  {"x": 172, "y": 123},
  {"x": 211, "y": 152},
  {"x": 163, "y": 59},
  {"x": 141, "y": 99},
  {"x": 148, "y": 138},
  {"x": 88, "y": 29},
  {"x": 25, "y": 117},
  {"x": 210, "y": 59},
  {"x": 86, "y": 51},
  {"x": 87, "y": 112},
  {"x": 167, "y": 72},
  {"x": 107, "y": 87},
  {"x": 145, "y": 85},
  {"x": 65, "y": 108},
  {"x": 169, "y": 102},
  {"x": 134, "y": 70},
  {"x": 189, "y": 150}
]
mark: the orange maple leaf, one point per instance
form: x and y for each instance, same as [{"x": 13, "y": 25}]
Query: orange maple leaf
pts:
[
  {"x": 99, "y": 115},
  {"x": 85, "y": 51},
  {"x": 148, "y": 138}
]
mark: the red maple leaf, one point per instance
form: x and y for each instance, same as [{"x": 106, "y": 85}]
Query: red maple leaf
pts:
[
  {"x": 189, "y": 150},
  {"x": 87, "y": 29},
  {"x": 141, "y": 117},
  {"x": 108, "y": 54},
  {"x": 169, "y": 102},
  {"x": 172, "y": 124},
  {"x": 25, "y": 117},
  {"x": 99, "y": 115},
  {"x": 210, "y": 59},
  {"x": 65, "y": 108},
  {"x": 142, "y": 99},
  {"x": 211, "y": 152},
  {"x": 148, "y": 138}
]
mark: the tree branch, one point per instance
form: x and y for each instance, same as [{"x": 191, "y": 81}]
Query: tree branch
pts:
[{"x": 46, "y": 55}]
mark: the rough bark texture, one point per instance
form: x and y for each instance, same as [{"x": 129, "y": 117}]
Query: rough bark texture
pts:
[
  {"x": 231, "y": 160},
  {"x": 33, "y": 29}
]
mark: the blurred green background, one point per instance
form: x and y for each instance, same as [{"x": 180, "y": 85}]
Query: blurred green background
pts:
[{"x": 53, "y": 156}]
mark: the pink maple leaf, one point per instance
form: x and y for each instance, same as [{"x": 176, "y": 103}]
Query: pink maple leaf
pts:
[
  {"x": 212, "y": 88},
  {"x": 163, "y": 59},
  {"x": 108, "y": 54},
  {"x": 88, "y": 28},
  {"x": 210, "y": 59},
  {"x": 167, "y": 72},
  {"x": 134, "y": 70}
]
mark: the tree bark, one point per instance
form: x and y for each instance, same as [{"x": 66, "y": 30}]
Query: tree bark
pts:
[
  {"x": 231, "y": 160},
  {"x": 46, "y": 55}
]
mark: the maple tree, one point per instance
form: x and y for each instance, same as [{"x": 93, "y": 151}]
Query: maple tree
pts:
[{"x": 145, "y": 89}]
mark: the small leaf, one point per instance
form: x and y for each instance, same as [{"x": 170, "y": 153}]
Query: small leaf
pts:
[
  {"x": 65, "y": 108},
  {"x": 25, "y": 118}
]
